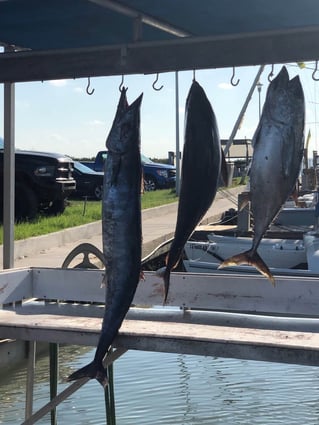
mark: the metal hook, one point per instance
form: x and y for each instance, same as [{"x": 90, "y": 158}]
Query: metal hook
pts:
[
  {"x": 153, "y": 85},
  {"x": 122, "y": 82},
  {"x": 232, "y": 79},
  {"x": 194, "y": 75},
  {"x": 88, "y": 86},
  {"x": 313, "y": 74},
  {"x": 271, "y": 74}
]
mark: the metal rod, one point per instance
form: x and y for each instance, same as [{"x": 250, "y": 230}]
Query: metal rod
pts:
[
  {"x": 146, "y": 19},
  {"x": 177, "y": 156},
  {"x": 243, "y": 110},
  {"x": 109, "y": 397},
  {"x": 69, "y": 391},
  {"x": 224, "y": 318},
  {"x": 54, "y": 372},
  {"x": 8, "y": 174},
  {"x": 30, "y": 379}
]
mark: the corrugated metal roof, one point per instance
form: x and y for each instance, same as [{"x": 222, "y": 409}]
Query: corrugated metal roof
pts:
[{"x": 74, "y": 38}]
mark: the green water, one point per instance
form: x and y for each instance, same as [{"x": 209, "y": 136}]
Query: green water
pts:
[{"x": 174, "y": 389}]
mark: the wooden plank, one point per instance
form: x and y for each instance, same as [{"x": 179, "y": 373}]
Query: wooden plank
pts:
[
  {"x": 15, "y": 285},
  {"x": 244, "y": 49},
  {"x": 256, "y": 344}
]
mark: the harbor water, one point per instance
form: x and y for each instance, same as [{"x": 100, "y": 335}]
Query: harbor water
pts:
[{"x": 172, "y": 389}]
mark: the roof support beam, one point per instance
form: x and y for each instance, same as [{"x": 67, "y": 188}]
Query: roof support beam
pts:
[
  {"x": 174, "y": 55},
  {"x": 146, "y": 19}
]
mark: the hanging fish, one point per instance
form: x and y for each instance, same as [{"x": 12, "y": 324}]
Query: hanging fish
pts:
[
  {"x": 278, "y": 148},
  {"x": 201, "y": 167},
  {"x": 121, "y": 228}
]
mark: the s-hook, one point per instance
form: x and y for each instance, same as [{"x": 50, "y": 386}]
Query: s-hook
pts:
[
  {"x": 314, "y": 72},
  {"x": 153, "y": 85},
  {"x": 88, "y": 87},
  {"x": 271, "y": 74},
  {"x": 232, "y": 82},
  {"x": 122, "y": 82}
]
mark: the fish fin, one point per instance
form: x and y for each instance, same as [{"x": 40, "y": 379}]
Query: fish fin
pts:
[
  {"x": 93, "y": 371},
  {"x": 252, "y": 259},
  {"x": 142, "y": 275},
  {"x": 223, "y": 168},
  {"x": 164, "y": 273},
  {"x": 167, "y": 274}
]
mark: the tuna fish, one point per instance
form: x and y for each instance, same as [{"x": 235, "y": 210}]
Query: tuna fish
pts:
[
  {"x": 201, "y": 166},
  {"x": 278, "y": 146},
  {"x": 121, "y": 228}
]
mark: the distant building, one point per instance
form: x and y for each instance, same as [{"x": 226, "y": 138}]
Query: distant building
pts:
[
  {"x": 240, "y": 150},
  {"x": 240, "y": 154}
]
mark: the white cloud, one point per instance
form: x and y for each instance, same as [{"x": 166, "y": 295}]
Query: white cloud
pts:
[
  {"x": 78, "y": 90},
  {"x": 58, "y": 83},
  {"x": 96, "y": 123},
  {"x": 225, "y": 86}
]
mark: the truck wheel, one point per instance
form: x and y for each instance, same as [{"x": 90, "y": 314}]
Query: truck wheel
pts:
[
  {"x": 98, "y": 192},
  {"x": 149, "y": 184},
  {"x": 57, "y": 207},
  {"x": 26, "y": 203}
]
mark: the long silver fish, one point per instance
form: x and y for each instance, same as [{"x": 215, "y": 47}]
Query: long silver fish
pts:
[
  {"x": 201, "y": 167},
  {"x": 278, "y": 146},
  {"x": 121, "y": 225}
]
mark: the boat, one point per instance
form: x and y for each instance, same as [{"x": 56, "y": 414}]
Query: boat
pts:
[
  {"x": 285, "y": 253},
  {"x": 292, "y": 242}
]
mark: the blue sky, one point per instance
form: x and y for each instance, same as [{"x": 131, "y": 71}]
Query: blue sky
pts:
[{"x": 59, "y": 116}]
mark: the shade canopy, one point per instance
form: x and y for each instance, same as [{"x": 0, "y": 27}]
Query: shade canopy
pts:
[{"x": 54, "y": 39}]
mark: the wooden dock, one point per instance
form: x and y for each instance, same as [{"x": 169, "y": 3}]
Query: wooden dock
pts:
[{"x": 221, "y": 314}]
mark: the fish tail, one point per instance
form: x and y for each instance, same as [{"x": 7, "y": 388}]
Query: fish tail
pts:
[
  {"x": 167, "y": 275},
  {"x": 252, "y": 259},
  {"x": 164, "y": 273},
  {"x": 93, "y": 370}
]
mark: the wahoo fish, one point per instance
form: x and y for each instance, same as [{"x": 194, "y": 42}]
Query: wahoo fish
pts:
[
  {"x": 121, "y": 228},
  {"x": 278, "y": 147},
  {"x": 201, "y": 166}
]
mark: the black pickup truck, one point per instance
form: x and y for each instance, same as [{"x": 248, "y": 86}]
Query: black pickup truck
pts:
[{"x": 42, "y": 183}]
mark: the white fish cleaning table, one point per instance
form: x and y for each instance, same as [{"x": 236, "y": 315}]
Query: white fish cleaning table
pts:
[
  {"x": 72, "y": 323},
  {"x": 219, "y": 314}
]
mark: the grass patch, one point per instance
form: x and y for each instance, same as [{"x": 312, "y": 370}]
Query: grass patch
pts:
[{"x": 78, "y": 213}]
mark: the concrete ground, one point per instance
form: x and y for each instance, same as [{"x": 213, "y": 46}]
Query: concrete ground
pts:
[{"x": 158, "y": 225}]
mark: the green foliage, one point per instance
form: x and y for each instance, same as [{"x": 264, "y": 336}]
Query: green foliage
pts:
[{"x": 80, "y": 212}]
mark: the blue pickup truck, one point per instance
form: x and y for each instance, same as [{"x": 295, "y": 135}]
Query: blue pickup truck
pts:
[{"x": 156, "y": 175}]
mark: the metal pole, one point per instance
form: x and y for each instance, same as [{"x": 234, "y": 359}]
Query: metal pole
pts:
[
  {"x": 54, "y": 373},
  {"x": 177, "y": 155},
  {"x": 259, "y": 86},
  {"x": 8, "y": 176},
  {"x": 243, "y": 110},
  {"x": 30, "y": 379}
]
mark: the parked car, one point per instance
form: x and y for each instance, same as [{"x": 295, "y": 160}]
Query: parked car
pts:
[
  {"x": 156, "y": 175},
  {"x": 88, "y": 182},
  {"x": 43, "y": 181}
]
